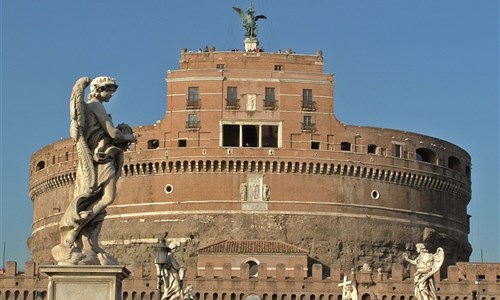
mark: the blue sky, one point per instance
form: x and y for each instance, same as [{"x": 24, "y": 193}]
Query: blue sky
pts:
[{"x": 423, "y": 66}]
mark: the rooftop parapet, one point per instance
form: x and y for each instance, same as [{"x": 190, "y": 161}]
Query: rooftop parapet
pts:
[{"x": 276, "y": 61}]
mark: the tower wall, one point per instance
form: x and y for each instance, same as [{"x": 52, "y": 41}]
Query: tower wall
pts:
[{"x": 256, "y": 166}]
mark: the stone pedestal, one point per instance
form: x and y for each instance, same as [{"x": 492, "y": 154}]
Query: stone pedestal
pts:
[
  {"x": 251, "y": 44},
  {"x": 85, "y": 282}
]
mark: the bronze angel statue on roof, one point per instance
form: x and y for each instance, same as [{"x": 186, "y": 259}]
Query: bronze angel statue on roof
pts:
[
  {"x": 249, "y": 20},
  {"x": 100, "y": 147},
  {"x": 427, "y": 264}
]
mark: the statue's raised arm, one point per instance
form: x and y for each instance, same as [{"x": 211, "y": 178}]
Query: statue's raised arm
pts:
[{"x": 100, "y": 147}]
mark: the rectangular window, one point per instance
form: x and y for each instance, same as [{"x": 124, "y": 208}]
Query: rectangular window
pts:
[
  {"x": 308, "y": 124},
  {"x": 270, "y": 100},
  {"x": 230, "y": 135},
  {"x": 278, "y": 67},
  {"x": 192, "y": 121},
  {"x": 220, "y": 66},
  {"x": 372, "y": 148},
  {"x": 251, "y": 135},
  {"x": 270, "y": 136},
  {"x": 181, "y": 143},
  {"x": 232, "y": 97},
  {"x": 345, "y": 146},
  {"x": 307, "y": 99},
  {"x": 193, "y": 97},
  {"x": 397, "y": 150}
]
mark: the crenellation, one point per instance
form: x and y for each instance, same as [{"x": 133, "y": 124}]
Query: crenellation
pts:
[
  {"x": 244, "y": 270},
  {"x": 263, "y": 274},
  {"x": 227, "y": 271},
  {"x": 209, "y": 271},
  {"x": 453, "y": 274},
  {"x": 370, "y": 281},
  {"x": 30, "y": 269},
  {"x": 397, "y": 272},
  {"x": 280, "y": 272},
  {"x": 136, "y": 270},
  {"x": 11, "y": 268},
  {"x": 317, "y": 272},
  {"x": 299, "y": 272}
]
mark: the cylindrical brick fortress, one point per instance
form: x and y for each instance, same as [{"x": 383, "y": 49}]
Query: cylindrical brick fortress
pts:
[{"x": 250, "y": 149}]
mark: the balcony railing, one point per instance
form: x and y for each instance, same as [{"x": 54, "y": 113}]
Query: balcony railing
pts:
[
  {"x": 193, "y": 103},
  {"x": 309, "y": 106},
  {"x": 232, "y": 103},
  {"x": 269, "y": 104},
  {"x": 308, "y": 127},
  {"x": 192, "y": 125}
]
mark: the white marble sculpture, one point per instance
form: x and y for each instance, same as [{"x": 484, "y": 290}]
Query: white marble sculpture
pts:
[
  {"x": 427, "y": 264},
  {"x": 100, "y": 147},
  {"x": 188, "y": 293},
  {"x": 349, "y": 291},
  {"x": 172, "y": 275}
]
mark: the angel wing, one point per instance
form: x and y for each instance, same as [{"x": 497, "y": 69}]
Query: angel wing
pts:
[
  {"x": 77, "y": 108},
  {"x": 438, "y": 262},
  {"x": 438, "y": 259},
  {"x": 239, "y": 11},
  {"x": 260, "y": 17},
  {"x": 86, "y": 166}
]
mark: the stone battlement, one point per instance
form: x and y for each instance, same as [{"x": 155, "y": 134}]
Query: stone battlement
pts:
[{"x": 458, "y": 280}]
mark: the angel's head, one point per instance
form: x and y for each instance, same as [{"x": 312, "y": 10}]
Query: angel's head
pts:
[
  {"x": 420, "y": 248},
  {"x": 103, "y": 88}
]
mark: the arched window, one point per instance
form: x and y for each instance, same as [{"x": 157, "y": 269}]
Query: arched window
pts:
[
  {"x": 454, "y": 163},
  {"x": 153, "y": 144},
  {"x": 426, "y": 155},
  {"x": 253, "y": 268},
  {"x": 40, "y": 165},
  {"x": 345, "y": 146}
]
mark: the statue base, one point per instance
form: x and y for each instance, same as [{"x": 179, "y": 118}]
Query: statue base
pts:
[
  {"x": 251, "y": 44},
  {"x": 85, "y": 282}
]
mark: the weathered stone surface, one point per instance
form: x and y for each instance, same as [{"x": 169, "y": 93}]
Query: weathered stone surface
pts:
[{"x": 85, "y": 282}]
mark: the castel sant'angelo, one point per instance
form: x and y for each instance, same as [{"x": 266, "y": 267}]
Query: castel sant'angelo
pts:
[{"x": 250, "y": 166}]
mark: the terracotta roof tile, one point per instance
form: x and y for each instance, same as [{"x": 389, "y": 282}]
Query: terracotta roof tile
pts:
[{"x": 253, "y": 247}]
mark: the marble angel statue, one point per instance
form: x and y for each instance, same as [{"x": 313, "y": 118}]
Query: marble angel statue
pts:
[
  {"x": 427, "y": 265},
  {"x": 100, "y": 146}
]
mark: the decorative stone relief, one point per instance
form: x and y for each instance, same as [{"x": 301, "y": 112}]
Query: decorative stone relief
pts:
[
  {"x": 251, "y": 102},
  {"x": 243, "y": 191},
  {"x": 254, "y": 193}
]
